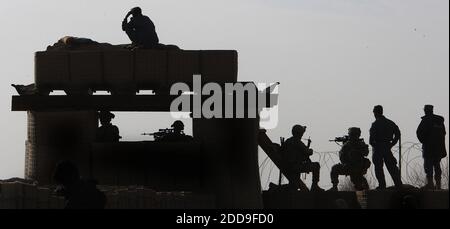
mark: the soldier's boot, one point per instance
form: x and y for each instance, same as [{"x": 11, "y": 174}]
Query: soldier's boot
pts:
[
  {"x": 359, "y": 186},
  {"x": 315, "y": 188},
  {"x": 381, "y": 187},
  {"x": 334, "y": 188},
  {"x": 366, "y": 185},
  {"x": 429, "y": 185},
  {"x": 438, "y": 183}
]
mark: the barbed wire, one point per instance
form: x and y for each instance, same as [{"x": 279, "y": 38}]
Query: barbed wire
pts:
[{"x": 411, "y": 166}]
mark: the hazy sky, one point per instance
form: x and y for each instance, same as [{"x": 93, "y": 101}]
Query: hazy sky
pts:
[{"x": 335, "y": 59}]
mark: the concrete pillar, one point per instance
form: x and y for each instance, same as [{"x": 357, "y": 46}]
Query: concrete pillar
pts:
[
  {"x": 55, "y": 136},
  {"x": 231, "y": 154}
]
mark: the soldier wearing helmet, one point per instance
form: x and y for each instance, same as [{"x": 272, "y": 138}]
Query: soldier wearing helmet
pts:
[
  {"x": 353, "y": 161},
  {"x": 140, "y": 29},
  {"x": 177, "y": 133},
  {"x": 297, "y": 154},
  {"x": 107, "y": 132}
]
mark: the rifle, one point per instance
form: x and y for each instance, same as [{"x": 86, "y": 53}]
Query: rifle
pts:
[{"x": 160, "y": 134}]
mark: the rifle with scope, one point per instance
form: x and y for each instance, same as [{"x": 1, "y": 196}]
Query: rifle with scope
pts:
[
  {"x": 160, "y": 134},
  {"x": 343, "y": 139}
]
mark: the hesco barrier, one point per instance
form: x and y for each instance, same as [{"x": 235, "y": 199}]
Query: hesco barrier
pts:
[
  {"x": 56, "y": 136},
  {"x": 124, "y": 70},
  {"x": 372, "y": 199},
  {"x": 18, "y": 195}
]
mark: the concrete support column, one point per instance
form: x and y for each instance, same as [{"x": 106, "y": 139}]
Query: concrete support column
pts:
[
  {"x": 231, "y": 154},
  {"x": 55, "y": 136}
]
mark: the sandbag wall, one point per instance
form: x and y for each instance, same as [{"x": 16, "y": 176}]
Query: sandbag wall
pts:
[
  {"x": 162, "y": 166},
  {"x": 56, "y": 136},
  {"x": 124, "y": 70},
  {"x": 144, "y": 198},
  {"x": 16, "y": 195}
]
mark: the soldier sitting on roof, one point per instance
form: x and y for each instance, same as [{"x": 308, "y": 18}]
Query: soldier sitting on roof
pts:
[
  {"x": 107, "y": 132},
  {"x": 140, "y": 29}
]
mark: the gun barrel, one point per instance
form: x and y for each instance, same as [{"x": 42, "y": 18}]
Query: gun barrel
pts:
[{"x": 149, "y": 134}]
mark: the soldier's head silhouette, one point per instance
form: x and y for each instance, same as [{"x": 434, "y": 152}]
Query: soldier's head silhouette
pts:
[
  {"x": 105, "y": 117},
  {"x": 378, "y": 111},
  {"x": 66, "y": 173},
  {"x": 428, "y": 109},
  {"x": 136, "y": 11},
  {"x": 298, "y": 130},
  {"x": 178, "y": 126},
  {"x": 354, "y": 133}
]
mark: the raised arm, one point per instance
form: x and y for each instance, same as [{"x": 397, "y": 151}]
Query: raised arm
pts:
[{"x": 125, "y": 21}]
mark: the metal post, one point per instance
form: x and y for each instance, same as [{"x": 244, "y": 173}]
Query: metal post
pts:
[
  {"x": 280, "y": 179},
  {"x": 400, "y": 156}
]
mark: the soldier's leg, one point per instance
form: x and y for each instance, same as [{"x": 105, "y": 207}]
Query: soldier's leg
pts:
[
  {"x": 428, "y": 167},
  {"x": 365, "y": 184},
  {"x": 336, "y": 170},
  {"x": 295, "y": 183},
  {"x": 377, "y": 160},
  {"x": 437, "y": 173},
  {"x": 391, "y": 164},
  {"x": 313, "y": 167},
  {"x": 366, "y": 164},
  {"x": 358, "y": 179},
  {"x": 132, "y": 35}
]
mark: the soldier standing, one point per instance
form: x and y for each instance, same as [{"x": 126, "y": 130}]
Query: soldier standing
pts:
[
  {"x": 431, "y": 133},
  {"x": 384, "y": 134},
  {"x": 107, "y": 132},
  {"x": 297, "y": 156},
  {"x": 353, "y": 161}
]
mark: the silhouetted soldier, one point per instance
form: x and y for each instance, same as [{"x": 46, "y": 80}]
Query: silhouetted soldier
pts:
[
  {"x": 79, "y": 194},
  {"x": 384, "y": 134},
  {"x": 353, "y": 161},
  {"x": 140, "y": 29},
  {"x": 107, "y": 132},
  {"x": 177, "y": 134},
  {"x": 431, "y": 133},
  {"x": 297, "y": 156}
]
